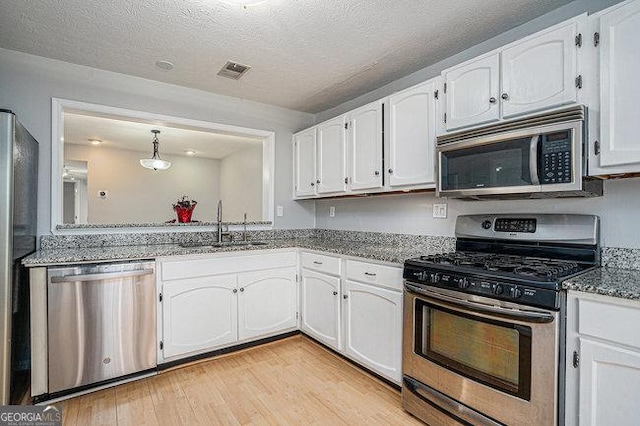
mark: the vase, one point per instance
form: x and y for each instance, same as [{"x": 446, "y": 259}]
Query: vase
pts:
[{"x": 184, "y": 213}]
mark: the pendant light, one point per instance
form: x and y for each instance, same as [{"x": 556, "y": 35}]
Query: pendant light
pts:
[{"x": 155, "y": 162}]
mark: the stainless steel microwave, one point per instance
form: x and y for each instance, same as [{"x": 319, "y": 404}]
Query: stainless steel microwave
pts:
[{"x": 536, "y": 157}]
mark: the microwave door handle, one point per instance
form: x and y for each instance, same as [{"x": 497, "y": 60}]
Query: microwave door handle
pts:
[{"x": 533, "y": 160}]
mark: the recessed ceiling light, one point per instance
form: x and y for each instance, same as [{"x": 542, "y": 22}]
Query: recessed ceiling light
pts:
[
  {"x": 190, "y": 152},
  {"x": 95, "y": 141},
  {"x": 164, "y": 65}
]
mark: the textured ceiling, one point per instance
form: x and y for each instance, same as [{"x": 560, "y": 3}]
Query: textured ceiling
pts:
[
  {"x": 306, "y": 55},
  {"x": 136, "y": 136}
]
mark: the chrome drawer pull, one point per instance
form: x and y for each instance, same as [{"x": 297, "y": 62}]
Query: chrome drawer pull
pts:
[{"x": 371, "y": 274}]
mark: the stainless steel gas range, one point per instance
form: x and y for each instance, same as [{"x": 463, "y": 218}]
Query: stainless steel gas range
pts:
[{"x": 484, "y": 326}]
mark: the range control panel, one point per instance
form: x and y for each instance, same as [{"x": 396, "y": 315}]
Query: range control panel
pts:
[
  {"x": 488, "y": 287},
  {"x": 515, "y": 225}
]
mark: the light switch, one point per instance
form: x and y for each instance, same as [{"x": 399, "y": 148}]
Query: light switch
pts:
[
  {"x": 332, "y": 211},
  {"x": 279, "y": 211}
]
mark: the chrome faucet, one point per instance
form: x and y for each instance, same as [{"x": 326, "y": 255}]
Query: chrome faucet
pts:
[{"x": 219, "y": 221}]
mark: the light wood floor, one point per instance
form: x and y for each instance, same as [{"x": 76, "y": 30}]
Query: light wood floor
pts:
[{"x": 289, "y": 382}]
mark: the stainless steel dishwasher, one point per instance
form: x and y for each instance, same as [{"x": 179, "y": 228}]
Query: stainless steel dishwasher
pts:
[{"x": 101, "y": 323}]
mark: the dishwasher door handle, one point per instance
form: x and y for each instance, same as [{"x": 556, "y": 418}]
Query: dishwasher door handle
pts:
[{"x": 101, "y": 276}]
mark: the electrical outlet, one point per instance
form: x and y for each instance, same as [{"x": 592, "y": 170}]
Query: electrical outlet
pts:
[
  {"x": 279, "y": 211},
  {"x": 332, "y": 211},
  {"x": 440, "y": 211}
]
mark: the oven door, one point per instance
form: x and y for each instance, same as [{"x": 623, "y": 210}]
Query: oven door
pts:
[{"x": 478, "y": 354}]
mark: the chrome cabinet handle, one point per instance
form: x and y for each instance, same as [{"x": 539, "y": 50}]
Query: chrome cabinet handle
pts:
[
  {"x": 313, "y": 184},
  {"x": 505, "y": 96},
  {"x": 318, "y": 181},
  {"x": 390, "y": 171},
  {"x": 345, "y": 296},
  {"x": 241, "y": 289},
  {"x": 335, "y": 293},
  {"x": 371, "y": 274},
  {"x": 317, "y": 263},
  {"x": 235, "y": 290},
  {"x": 492, "y": 100},
  {"x": 376, "y": 173}
]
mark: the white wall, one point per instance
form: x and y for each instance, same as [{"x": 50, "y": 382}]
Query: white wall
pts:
[
  {"x": 619, "y": 209},
  {"x": 139, "y": 195},
  {"x": 241, "y": 184},
  {"x": 27, "y": 84}
]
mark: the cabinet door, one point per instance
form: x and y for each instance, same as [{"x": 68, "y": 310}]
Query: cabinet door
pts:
[
  {"x": 373, "y": 328},
  {"x": 304, "y": 149},
  {"x": 331, "y": 156},
  {"x": 620, "y": 87},
  {"x": 412, "y": 136},
  {"x": 609, "y": 384},
  {"x": 472, "y": 93},
  {"x": 540, "y": 72},
  {"x": 320, "y": 308},
  {"x": 365, "y": 147},
  {"x": 266, "y": 302},
  {"x": 198, "y": 314}
]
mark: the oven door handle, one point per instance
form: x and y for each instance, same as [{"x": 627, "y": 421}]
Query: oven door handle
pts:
[
  {"x": 516, "y": 314},
  {"x": 453, "y": 408}
]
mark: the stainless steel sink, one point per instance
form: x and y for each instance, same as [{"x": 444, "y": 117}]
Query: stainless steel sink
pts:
[{"x": 222, "y": 244}]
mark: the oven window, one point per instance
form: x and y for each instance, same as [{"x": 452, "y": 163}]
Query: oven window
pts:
[
  {"x": 487, "y": 166},
  {"x": 495, "y": 353}
]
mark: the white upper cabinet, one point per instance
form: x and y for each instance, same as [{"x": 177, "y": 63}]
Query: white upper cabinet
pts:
[
  {"x": 620, "y": 89},
  {"x": 537, "y": 73},
  {"x": 540, "y": 72},
  {"x": 304, "y": 151},
  {"x": 266, "y": 302},
  {"x": 472, "y": 91},
  {"x": 412, "y": 122},
  {"x": 332, "y": 156},
  {"x": 364, "y": 133}
]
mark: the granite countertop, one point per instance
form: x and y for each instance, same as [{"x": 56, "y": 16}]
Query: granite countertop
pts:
[
  {"x": 380, "y": 252},
  {"x": 616, "y": 282}
]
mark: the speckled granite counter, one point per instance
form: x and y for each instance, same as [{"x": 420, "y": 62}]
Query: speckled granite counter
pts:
[
  {"x": 624, "y": 283},
  {"x": 380, "y": 251}
]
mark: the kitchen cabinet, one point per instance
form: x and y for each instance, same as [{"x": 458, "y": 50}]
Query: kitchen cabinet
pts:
[
  {"x": 540, "y": 72},
  {"x": 332, "y": 175},
  {"x": 364, "y": 133},
  {"x": 472, "y": 91},
  {"x": 373, "y": 327},
  {"x": 603, "y": 360},
  {"x": 207, "y": 303},
  {"x": 533, "y": 74},
  {"x": 304, "y": 151},
  {"x": 199, "y": 313},
  {"x": 412, "y": 143},
  {"x": 267, "y": 302},
  {"x": 618, "y": 54},
  {"x": 320, "y": 307}
]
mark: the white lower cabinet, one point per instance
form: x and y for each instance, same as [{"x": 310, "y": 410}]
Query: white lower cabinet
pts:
[
  {"x": 373, "y": 328},
  {"x": 320, "y": 307},
  {"x": 198, "y": 314},
  {"x": 603, "y": 361},
  {"x": 202, "y": 311},
  {"x": 266, "y": 302}
]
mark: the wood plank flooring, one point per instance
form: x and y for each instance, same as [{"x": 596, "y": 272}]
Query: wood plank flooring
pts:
[{"x": 289, "y": 382}]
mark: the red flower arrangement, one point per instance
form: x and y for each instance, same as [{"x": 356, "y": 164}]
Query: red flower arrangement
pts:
[{"x": 184, "y": 209}]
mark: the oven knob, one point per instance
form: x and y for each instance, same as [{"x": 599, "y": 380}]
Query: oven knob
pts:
[
  {"x": 435, "y": 278},
  {"x": 516, "y": 293},
  {"x": 463, "y": 283},
  {"x": 498, "y": 289},
  {"x": 486, "y": 224}
]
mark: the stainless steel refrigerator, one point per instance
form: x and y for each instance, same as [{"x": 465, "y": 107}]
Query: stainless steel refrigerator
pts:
[{"x": 18, "y": 209}]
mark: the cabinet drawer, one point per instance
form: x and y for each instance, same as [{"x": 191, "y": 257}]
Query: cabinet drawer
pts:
[
  {"x": 608, "y": 320},
  {"x": 383, "y": 276},
  {"x": 320, "y": 262},
  {"x": 193, "y": 268}
]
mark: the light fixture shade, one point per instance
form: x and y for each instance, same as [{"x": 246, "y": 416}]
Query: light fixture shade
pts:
[{"x": 155, "y": 162}]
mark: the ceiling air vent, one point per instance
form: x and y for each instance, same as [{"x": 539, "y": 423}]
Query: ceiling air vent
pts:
[{"x": 233, "y": 70}]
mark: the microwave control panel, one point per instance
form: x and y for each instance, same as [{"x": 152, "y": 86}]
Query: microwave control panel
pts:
[{"x": 556, "y": 158}]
